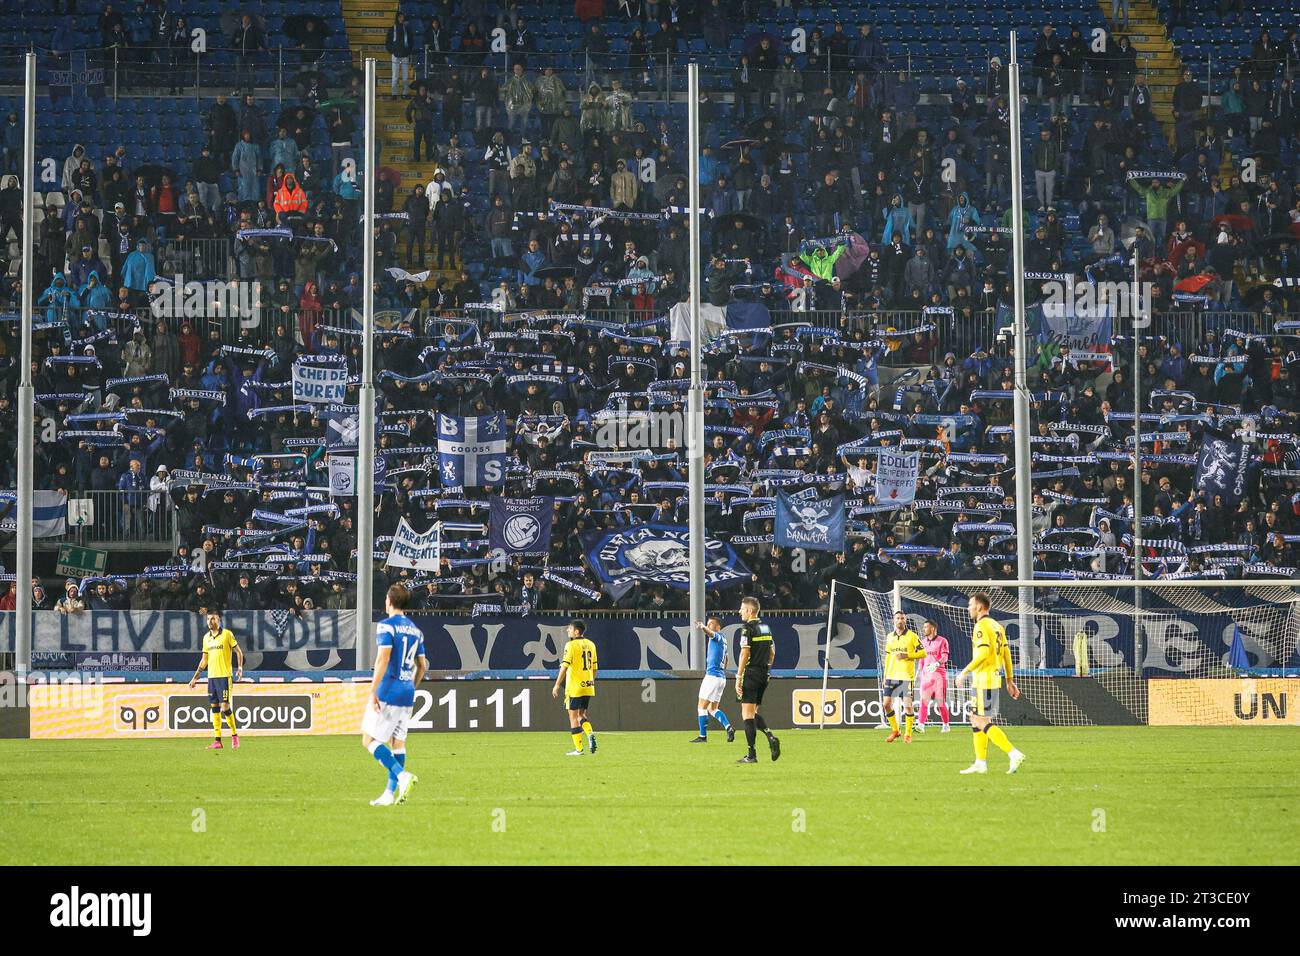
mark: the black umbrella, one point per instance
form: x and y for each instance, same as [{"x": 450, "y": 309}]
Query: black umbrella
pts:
[
  {"x": 754, "y": 39},
  {"x": 738, "y": 220},
  {"x": 1255, "y": 295},
  {"x": 1278, "y": 239},
  {"x": 306, "y": 78},
  {"x": 296, "y": 27},
  {"x": 738, "y": 143},
  {"x": 232, "y": 19},
  {"x": 153, "y": 174},
  {"x": 555, "y": 272},
  {"x": 288, "y": 118},
  {"x": 793, "y": 148}
]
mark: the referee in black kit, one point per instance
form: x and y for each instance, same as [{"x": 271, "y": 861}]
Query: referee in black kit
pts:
[{"x": 756, "y": 655}]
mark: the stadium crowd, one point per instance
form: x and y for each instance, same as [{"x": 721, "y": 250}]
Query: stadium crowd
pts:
[{"x": 857, "y": 282}]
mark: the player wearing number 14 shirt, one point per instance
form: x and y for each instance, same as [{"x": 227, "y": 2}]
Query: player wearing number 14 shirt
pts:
[{"x": 400, "y": 664}]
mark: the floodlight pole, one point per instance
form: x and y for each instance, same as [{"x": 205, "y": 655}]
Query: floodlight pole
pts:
[
  {"x": 26, "y": 393},
  {"x": 1137, "y": 456},
  {"x": 1024, "y": 484},
  {"x": 695, "y": 396},
  {"x": 365, "y": 460}
]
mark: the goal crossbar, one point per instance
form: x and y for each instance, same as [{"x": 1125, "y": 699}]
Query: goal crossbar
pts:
[{"x": 1039, "y": 584}]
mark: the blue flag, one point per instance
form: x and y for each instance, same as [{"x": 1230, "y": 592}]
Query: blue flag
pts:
[
  {"x": 521, "y": 525},
  {"x": 1222, "y": 469},
  {"x": 657, "y": 554},
  {"x": 81, "y": 72},
  {"x": 341, "y": 432},
  {"x": 472, "y": 452},
  {"x": 1237, "y": 658},
  {"x": 811, "y": 523}
]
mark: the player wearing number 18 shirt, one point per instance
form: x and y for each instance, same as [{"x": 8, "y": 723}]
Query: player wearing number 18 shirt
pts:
[
  {"x": 400, "y": 664},
  {"x": 220, "y": 650},
  {"x": 578, "y": 677}
]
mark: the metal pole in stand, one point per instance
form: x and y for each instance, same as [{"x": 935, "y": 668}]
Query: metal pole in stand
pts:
[
  {"x": 1024, "y": 486},
  {"x": 695, "y": 397},
  {"x": 1138, "y": 325},
  {"x": 26, "y": 393},
  {"x": 366, "y": 399}
]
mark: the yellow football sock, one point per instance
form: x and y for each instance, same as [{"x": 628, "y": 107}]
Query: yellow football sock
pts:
[
  {"x": 577, "y": 739},
  {"x": 996, "y": 735},
  {"x": 893, "y": 723},
  {"x": 586, "y": 727},
  {"x": 908, "y": 724},
  {"x": 981, "y": 746},
  {"x": 230, "y": 722},
  {"x": 216, "y": 723}
]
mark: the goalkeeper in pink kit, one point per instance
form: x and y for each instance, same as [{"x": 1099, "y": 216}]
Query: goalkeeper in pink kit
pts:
[{"x": 934, "y": 675}]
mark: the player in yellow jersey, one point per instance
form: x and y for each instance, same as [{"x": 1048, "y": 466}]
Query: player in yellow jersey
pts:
[
  {"x": 990, "y": 660},
  {"x": 902, "y": 650},
  {"x": 578, "y": 677},
  {"x": 219, "y": 646}
]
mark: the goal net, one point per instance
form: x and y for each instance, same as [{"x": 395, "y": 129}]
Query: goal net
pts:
[{"x": 1116, "y": 635}]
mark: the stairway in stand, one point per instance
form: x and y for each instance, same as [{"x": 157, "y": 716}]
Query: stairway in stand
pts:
[
  {"x": 1156, "y": 56},
  {"x": 1156, "y": 52},
  {"x": 367, "y": 23}
]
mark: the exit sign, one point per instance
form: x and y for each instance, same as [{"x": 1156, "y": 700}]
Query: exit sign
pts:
[{"x": 75, "y": 562}]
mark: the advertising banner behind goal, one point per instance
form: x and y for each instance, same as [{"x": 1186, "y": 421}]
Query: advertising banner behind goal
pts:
[{"x": 1267, "y": 702}]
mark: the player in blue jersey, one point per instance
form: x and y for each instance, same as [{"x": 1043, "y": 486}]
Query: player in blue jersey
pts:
[
  {"x": 714, "y": 683},
  {"x": 400, "y": 664}
]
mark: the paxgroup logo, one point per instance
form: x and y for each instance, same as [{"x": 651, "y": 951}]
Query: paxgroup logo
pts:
[
  {"x": 851, "y": 707},
  {"x": 810, "y": 709},
  {"x": 175, "y": 298},
  {"x": 266, "y": 712},
  {"x": 138, "y": 714}
]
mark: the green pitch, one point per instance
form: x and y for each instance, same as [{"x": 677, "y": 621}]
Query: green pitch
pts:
[{"x": 1096, "y": 795}]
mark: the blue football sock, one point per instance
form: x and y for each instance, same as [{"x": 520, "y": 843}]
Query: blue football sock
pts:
[
  {"x": 722, "y": 719},
  {"x": 385, "y": 757},
  {"x": 394, "y": 771},
  {"x": 704, "y": 725}
]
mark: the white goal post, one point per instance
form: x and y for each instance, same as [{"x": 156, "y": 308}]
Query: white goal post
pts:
[{"x": 1063, "y": 629}]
